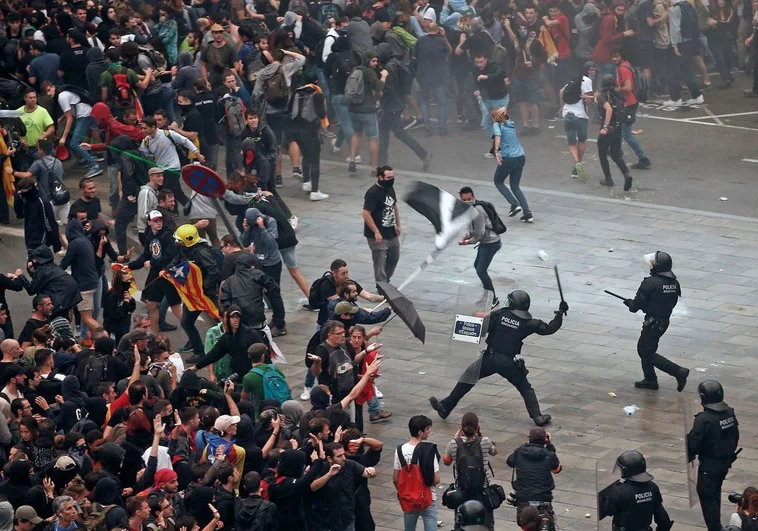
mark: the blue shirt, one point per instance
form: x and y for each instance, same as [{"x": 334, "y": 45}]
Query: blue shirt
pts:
[{"x": 510, "y": 147}]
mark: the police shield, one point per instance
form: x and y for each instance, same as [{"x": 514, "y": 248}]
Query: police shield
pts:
[
  {"x": 687, "y": 406},
  {"x": 469, "y": 322},
  {"x": 606, "y": 474}
]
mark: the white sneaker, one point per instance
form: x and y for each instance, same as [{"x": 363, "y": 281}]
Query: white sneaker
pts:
[
  {"x": 672, "y": 103},
  {"x": 319, "y": 196},
  {"x": 357, "y": 159},
  {"x": 293, "y": 222},
  {"x": 306, "y": 394},
  {"x": 378, "y": 393},
  {"x": 489, "y": 155},
  {"x": 307, "y": 186},
  {"x": 335, "y": 149},
  {"x": 695, "y": 101}
]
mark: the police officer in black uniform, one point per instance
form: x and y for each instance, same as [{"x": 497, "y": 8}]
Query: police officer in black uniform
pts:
[
  {"x": 635, "y": 499},
  {"x": 657, "y": 296},
  {"x": 471, "y": 515},
  {"x": 508, "y": 328},
  {"x": 713, "y": 440}
]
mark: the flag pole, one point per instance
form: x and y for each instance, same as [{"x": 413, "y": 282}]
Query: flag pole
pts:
[{"x": 427, "y": 261}]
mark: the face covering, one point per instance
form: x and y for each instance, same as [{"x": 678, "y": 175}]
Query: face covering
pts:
[{"x": 388, "y": 183}]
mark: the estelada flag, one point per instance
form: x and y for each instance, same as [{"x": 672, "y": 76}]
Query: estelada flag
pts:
[{"x": 187, "y": 278}]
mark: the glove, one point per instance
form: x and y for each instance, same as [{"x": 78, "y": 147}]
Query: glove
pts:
[
  {"x": 628, "y": 303},
  {"x": 563, "y": 307}
]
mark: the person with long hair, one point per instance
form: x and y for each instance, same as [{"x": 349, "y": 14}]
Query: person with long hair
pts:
[
  {"x": 746, "y": 511},
  {"x": 167, "y": 31},
  {"x": 721, "y": 34},
  {"x": 511, "y": 159},
  {"x": 358, "y": 350},
  {"x": 119, "y": 305}
]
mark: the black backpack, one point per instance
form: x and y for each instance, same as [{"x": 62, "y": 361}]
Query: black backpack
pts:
[
  {"x": 95, "y": 371},
  {"x": 497, "y": 224},
  {"x": 572, "y": 92},
  {"x": 314, "y": 295},
  {"x": 689, "y": 25},
  {"x": 84, "y": 96},
  {"x": 470, "y": 476},
  {"x": 749, "y": 523}
]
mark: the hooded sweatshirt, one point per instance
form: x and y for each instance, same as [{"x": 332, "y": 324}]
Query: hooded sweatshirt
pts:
[
  {"x": 188, "y": 392},
  {"x": 95, "y": 67},
  {"x": 73, "y": 408},
  {"x": 50, "y": 279},
  {"x": 245, "y": 289},
  {"x": 18, "y": 483},
  {"x": 112, "y": 126},
  {"x": 534, "y": 464},
  {"x": 583, "y": 22},
  {"x": 187, "y": 73},
  {"x": 256, "y": 513},
  {"x": 371, "y": 85},
  {"x": 263, "y": 238},
  {"x": 81, "y": 257},
  {"x": 289, "y": 66},
  {"x": 40, "y": 227},
  {"x": 290, "y": 487}
]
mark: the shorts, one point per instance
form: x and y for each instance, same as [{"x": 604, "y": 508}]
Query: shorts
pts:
[
  {"x": 576, "y": 129},
  {"x": 281, "y": 125},
  {"x": 289, "y": 257},
  {"x": 88, "y": 301},
  {"x": 61, "y": 212},
  {"x": 365, "y": 122},
  {"x": 526, "y": 90},
  {"x": 646, "y": 55},
  {"x": 157, "y": 288}
]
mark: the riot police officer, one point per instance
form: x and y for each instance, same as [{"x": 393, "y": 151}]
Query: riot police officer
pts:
[
  {"x": 657, "y": 296},
  {"x": 713, "y": 439},
  {"x": 471, "y": 515},
  {"x": 635, "y": 499},
  {"x": 507, "y": 330}
]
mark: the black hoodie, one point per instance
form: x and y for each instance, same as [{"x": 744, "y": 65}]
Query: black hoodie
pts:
[
  {"x": 50, "y": 279},
  {"x": 256, "y": 513},
  {"x": 74, "y": 407},
  {"x": 534, "y": 464},
  {"x": 290, "y": 486},
  {"x": 40, "y": 227},
  {"x": 236, "y": 346},
  {"x": 245, "y": 289},
  {"x": 81, "y": 257}
]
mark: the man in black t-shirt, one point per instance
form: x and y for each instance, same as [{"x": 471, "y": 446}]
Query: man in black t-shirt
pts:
[
  {"x": 43, "y": 308},
  {"x": 73, "y": 64},
  {"x": 88, "y": 202},
  {"x": 381, "y": 225},
  {"x": 205, "y": 103}
]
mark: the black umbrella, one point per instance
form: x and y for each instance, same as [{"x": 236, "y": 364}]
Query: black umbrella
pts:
[{"x": 404, "y": 309}]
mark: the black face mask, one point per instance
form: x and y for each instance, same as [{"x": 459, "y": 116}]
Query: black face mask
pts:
[{"x": 388, "y": 183}]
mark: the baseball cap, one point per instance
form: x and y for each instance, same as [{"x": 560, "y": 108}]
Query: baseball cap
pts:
[
  {"x": 345, "y": 307},
  {"x": 155, "y": 170},
  {"x": 65, "y": 463},
  {"x": 27, "y": 513},
  {"x": 217, "y": 27},
  {"x": 234, "y": 310},
  {"x": 154, "y": 214},
  {"x": 224, "y": 422},
  {"x": 138, "y": 334}
]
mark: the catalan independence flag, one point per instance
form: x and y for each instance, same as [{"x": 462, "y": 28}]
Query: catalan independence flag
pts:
[{"x": 187, "y": 278}]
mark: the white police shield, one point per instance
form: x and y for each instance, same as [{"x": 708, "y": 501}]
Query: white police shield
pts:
[
  {"x": 606, "y": 474},
  {"x": 468, "y": 330}
]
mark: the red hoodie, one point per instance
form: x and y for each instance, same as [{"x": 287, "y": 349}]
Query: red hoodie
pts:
[
  {"x": 610, "y": 35},
  {"x": 113, "y": 127}
]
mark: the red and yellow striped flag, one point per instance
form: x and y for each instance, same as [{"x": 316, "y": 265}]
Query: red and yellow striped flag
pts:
[{"x": 187, "y": 278}]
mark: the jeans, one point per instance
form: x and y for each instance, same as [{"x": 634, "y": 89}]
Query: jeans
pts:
[
  {"x": 428, "y": 515},
  {"x": 97, "y": 299},
  {"x": 512, "y": 168},
  {"x": 484, "y": 255},
  {"x": 188, "y": 325},
  {"x": 439, "y": 92},
  {"x": 346, "y": 128},
  {"x": 113, "y": 186},
  {"x": 385, "y": 255},
  {"x": 626, "y": 133},
  {"x": 487, "y": 106},
  {"x": 162, "y": 311},
  {"x": 389, "y": 122},
  {"x": 611, "y": 142},
  {"x": 373, "y": 406},
  {"x": 721, "y": 48},
  {"x": 680, "y": 66},
  {"x": 82, "y": 126},
  {"x": 127, "y": 211},
  {"x": 168, "y": 95}
]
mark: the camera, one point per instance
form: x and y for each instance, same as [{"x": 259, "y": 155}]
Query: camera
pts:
[
  {"x": 735, "y": 498},
  {"x": 231, "y": 378},
  {"x": 511, "y": 499}
]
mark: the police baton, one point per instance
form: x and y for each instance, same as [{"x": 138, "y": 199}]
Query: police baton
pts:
[
  {"x": 560, "y": 289},
  {"x": 615, "y": 295}
]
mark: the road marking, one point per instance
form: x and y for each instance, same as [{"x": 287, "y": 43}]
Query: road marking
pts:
[
  {"x": 692, "y": 121},
  {"x": 588, "y": 140},
  {"x": 750, "y": 113},
  {"x": 755, "y": 161},
  {"x": 713, "y": 116},
  {"x": 12, "y": 231}
]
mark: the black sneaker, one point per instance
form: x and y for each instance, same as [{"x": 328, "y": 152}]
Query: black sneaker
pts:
[
  {"x": 278, "y": 180},
  {"x": 351, "y": 167},
  {"x": 427, "y": 161},
  {"x": 438, "y": 407},
  {"x": 606, "y": 182},
  {"x": 186, "y": 348},
  {"x": 166, "y": 327},
  {"x": 644, "y": 384},
  {"x": 515, "y": 209},
  {"x": 574, "y": 173},
  {"x": 681, "y": 379},
  {"x": 309, "y": 308},
  {"x": 276, "y": 332},
  {"x": 642, "y": 164},
  {"x": 527, "y": 217},
  {"x": 297, "y": 173},
  {"x": 627, "y": 182},
  {"x": 541, "y": 420}
]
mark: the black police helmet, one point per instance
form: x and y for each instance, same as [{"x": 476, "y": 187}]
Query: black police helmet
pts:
[
  {"x": 633, "y": 466},
  {"x": 519, "y": 302},
  {"x": 662, "y": 262},
  {"x": 711, "y": 394},
  {"x": 452, "y": 499},
  {"x": 471, "y": 512}
]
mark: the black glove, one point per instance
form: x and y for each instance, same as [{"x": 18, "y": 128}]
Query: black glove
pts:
[
  {"x": 628, "y": 303},
  {"x": 563, "y": 307}
]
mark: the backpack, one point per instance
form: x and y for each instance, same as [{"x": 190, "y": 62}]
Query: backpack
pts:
[
  {"x": 689, "y": 26},
  {"x": 413, "y": 494},
  {"x": 84, "y": 96},
  {"x": 181, "y": 151},
  {"x": 59, "y": 194},
  {"x": 303, "y": 106},
  {"x": 95, "y": 371},
  {"x": 275, "y": 91},
  {"x": 617, "y": 104},
  {"x": 274, "y": 385},
  {"x": 123, "y": 94},
  {"x": 469, "y": 466},
  {"x": 314, "y": 300},
  {"x": 355, "y": 90},
  {"x": 234, "y": 111},
  {"x": 97, "y": 516},
  {"x": 593, "y": 37},
  {"x": 749, "y": 523},
  {"x": 84, "y": 426},
  {"x": 641, "y": 84},
  {"x": 572, "y": 92},
  {"x": 157, "y": 60},
  {"x": 497, "y": 224}
]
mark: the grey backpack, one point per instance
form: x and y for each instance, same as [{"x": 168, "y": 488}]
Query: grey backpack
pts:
[{"x": 355, "y": 91}]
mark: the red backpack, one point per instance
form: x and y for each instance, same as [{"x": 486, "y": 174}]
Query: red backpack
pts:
[
  {"x": 122, "y": 94},
  {"x": 413, "y": 493}
]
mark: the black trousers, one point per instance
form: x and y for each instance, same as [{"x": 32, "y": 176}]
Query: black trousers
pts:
[
  {"x": 647, "y": 347},
  {"x": 390, "y": 122},
  {"x": 171, "y": 181},
  {"x": 610, "y": 142},
  {"x": 709, "y": 481},
  {"x": 490, "y": 364},
  {"x": 680, "y": 67},
  {"x": 310, "y": 146},
  {"x": 126, "y": 213}
]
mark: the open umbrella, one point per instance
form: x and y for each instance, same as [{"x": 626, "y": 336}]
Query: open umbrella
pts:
[{"x": 404, "y": 309}]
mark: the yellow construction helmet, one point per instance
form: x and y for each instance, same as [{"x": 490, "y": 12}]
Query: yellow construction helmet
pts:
[{"x": 187, "y": 235}]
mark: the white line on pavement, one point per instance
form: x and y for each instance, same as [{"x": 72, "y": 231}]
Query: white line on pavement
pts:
[
  {"x": 692, "y": 121},
  {"x": 588, "y": 140},
  {"x": 750, "y": 160},
  {"x": 749, "y": 113},
  {"x": 713, "y": 116},
  {"x": 12, "y": 231}
]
